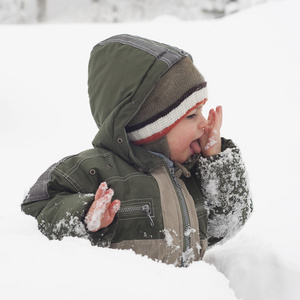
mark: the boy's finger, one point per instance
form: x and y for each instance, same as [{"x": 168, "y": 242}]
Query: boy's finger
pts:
[
  {"x": 210, "y": 118},
  {"x": 109, "y": 216},
  {"x": 103, "y": 203},
  {"x": 217, "y": 119},
  {"x": 95, "y": 215},
  {"x": 219, "y": 111},
  {"x": 101, "y": 190},
  {"x": 114, "y": 207},
  {"x": 109, "y": 192}
]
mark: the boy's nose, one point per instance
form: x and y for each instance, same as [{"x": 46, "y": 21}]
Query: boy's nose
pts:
[{"x": 202, "y": 122}]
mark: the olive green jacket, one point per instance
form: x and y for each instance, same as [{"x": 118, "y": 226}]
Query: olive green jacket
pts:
[{"x": 163, "y": 214}]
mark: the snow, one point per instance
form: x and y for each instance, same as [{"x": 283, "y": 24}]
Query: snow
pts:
[
  {"x": 251, "y": 61},
  {"x": 211, "y": 142}
]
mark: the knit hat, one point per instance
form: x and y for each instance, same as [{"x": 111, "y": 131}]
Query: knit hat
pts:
[{"x": 179, "y": 91}]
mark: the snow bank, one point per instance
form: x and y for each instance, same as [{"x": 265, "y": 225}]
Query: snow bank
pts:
[{"x": 251, "y": 62}]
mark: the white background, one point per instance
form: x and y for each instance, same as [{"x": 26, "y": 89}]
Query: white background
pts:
[{"x": 251, "y": 61}]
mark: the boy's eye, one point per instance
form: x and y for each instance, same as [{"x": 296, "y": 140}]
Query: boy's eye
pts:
[{"x": 191, "y": 116}]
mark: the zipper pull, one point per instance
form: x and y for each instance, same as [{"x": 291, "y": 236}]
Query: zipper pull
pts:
[
  {"x": 172, "y": 171},
  {"x": 146, "y": 209}
]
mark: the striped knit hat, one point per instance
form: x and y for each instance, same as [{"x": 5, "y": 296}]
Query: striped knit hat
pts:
[{"x": 179, "y": 91}]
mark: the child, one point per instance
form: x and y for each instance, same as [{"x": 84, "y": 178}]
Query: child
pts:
[{"x": 178, "y": 186}]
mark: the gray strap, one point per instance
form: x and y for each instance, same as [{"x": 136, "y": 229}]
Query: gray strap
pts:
[{"x": 169, "y": 54}]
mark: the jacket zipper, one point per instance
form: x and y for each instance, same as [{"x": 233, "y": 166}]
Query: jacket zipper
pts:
[
  {"x": 184, "y": 211},
  {"x": 144, "y": 208}
]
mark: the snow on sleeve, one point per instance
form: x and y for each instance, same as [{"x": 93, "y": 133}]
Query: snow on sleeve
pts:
[
  {"x": 225, "y": 187},
  {"x": 63, "y": 216}
]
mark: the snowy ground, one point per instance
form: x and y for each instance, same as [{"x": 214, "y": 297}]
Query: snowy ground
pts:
[{"x": 251, "y": 61}]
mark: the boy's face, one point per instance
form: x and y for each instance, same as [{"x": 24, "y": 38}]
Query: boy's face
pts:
[{"x": 183, "y": 138}]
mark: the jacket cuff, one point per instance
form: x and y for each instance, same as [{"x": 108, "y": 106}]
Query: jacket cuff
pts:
[
  {"x": 64, "y": 216},
  {"x": 225, "y": 187}
]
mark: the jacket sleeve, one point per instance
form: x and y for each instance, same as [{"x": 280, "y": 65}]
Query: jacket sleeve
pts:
[
  {"x": 225, "y": 188},
  {"x": 59, "y": 205}
]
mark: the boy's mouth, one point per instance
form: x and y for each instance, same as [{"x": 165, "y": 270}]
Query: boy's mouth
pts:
[{"x": 195, "y": 147}]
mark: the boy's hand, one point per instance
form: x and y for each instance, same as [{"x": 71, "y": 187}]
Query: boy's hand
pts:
[
  {"x": 102, "y": 211},
  {"x": 210, "y": 141}
]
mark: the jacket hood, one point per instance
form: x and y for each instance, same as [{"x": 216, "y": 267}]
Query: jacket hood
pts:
[{"x": 122, "y": 72}]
